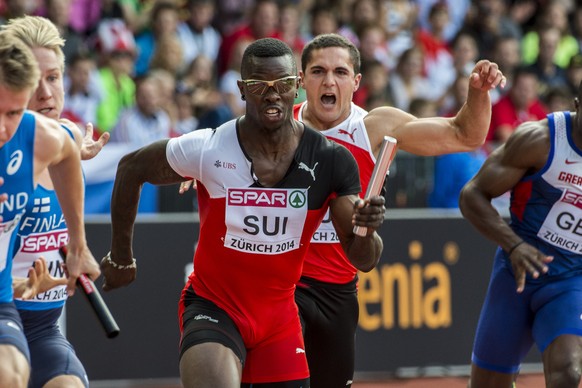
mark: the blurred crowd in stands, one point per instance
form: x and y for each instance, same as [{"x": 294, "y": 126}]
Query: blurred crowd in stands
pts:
[{"x": 150, "y": 69}]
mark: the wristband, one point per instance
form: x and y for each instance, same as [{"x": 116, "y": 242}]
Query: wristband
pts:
[
  {"x": 108, "y": 260},
  {"x": 510, "y": 251}
]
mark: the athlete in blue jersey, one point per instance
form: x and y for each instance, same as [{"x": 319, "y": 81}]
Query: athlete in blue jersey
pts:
[
  {"x": 29, "y": 144},
  {"x": 535, "y": 291},
  {"x": 42, "y": 229}
]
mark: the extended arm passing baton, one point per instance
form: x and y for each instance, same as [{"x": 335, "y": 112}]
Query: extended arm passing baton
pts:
[
  {"x": 385, "y": 157},
  {"x": 86, "y": 285}
]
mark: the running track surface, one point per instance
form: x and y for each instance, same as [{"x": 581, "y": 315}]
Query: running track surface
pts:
[{"x": 533, "y": 380}]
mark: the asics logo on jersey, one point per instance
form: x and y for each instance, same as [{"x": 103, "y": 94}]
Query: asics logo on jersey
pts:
[
  {"x": 41, "y": 205},
  {"x": 303, "y": 166},
  {"x": 15, "y": 162},
  {"x": 573, "y": 161},
  {"x": 350, "y": 134}
]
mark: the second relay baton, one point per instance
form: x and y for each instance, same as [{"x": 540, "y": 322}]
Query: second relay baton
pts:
[
  {"x": 86, "y": 285},
  {"x": 385, "y": 157}
]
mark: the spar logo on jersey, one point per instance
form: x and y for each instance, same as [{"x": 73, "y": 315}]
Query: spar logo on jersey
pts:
[
  {"x": 266, "y": 198},
  {"x": 41, "y": 205},
  {"x": 15, "y": 162},
  {"x": 43, "y": 242},
  {"x": 572, "y": 198}
]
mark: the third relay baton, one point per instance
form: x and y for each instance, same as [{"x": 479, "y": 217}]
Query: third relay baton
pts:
[
  {"x": 385, "y": 157},
  {"x": 86, "y": 285}
]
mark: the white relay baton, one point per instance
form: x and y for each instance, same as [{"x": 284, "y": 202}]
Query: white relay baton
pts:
[{"x": 385, "y": 158}]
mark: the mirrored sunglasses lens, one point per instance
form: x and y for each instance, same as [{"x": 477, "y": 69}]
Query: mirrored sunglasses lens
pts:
[
  {"x": 283, "y": 86},
  {"x": 257, "y": 87}
]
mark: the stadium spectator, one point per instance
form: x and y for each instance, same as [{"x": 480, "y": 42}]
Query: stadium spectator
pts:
[
  {"x": 400, "y": 17},
  {"x": 116, "y": 46},
  {"x": 197, "y": 34},
  {"x": 521, "y": 104},
  {"x": 408, "y": 81},
  {"x": 83, "y": 90},
  {"x": 553, "y": 13},
  {"x": 145, "y": 121},
  {"x": 263, "y": 23},
  {"x": 163, "y": 22},
  {"x": 507, "y": 54},
  {"x": 59, "y": 12},
  {"x": 200, "y": 81},
  {"x": 548, "y": 72}
]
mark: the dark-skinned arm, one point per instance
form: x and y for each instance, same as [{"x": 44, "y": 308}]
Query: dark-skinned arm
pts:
[
  {"x": 146, "y": 165},
  {"x": 526, "y": 151},
  {"x": 349, "y": 211}
]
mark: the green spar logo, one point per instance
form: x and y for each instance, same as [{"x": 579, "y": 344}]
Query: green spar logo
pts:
[{"x": 297, "y": 199}]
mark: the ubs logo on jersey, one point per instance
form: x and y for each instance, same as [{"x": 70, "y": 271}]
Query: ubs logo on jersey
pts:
[
  {"x": 227, "y": 165},
  {"x": 15, "y": 162}
]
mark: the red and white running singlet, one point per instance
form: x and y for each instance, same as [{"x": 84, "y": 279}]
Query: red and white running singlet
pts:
[
  {"x": 326, "y": 260},
  {"x": 253, "y": 239}
]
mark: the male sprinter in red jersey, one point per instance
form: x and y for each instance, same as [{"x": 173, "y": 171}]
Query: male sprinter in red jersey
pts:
[
  {"x": 327, "y": 294},
  {"x": 265, "y": 182}
]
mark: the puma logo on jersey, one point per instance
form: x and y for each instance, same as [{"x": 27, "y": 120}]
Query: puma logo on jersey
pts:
[
  {"x": 15, "y": 162},
  {"x": 299, "y": 350},
  {"x": 350, "y": 134},
  {"x": 303, "y": 166}
]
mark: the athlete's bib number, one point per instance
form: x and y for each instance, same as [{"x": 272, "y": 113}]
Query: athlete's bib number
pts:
[
  {"x": 326, "y": 232},
  {"x": 265, "y": 221},
  {"x": 563, "y": 224}
]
